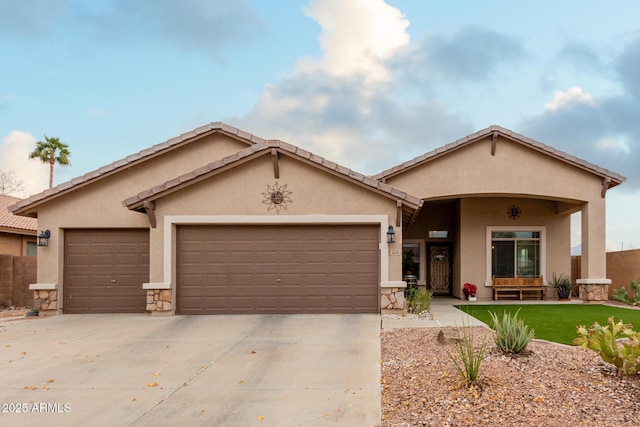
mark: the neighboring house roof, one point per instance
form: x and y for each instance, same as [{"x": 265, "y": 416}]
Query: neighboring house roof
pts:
[
  {"x": 216, "y": 127},
  {"x": 271, "y": 147},
  {"x": 498, "y": 131},
  {"x": 9, "y": 221}
]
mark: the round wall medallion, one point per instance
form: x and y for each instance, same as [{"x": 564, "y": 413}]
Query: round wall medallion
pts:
[
  {"x": 514, "y": 212},
  {"x": 276, "y": 197}
]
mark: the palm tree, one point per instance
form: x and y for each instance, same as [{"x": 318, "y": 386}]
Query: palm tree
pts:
[{"x": 51, "y": 151}]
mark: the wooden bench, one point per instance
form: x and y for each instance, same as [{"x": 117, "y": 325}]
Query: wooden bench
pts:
[{"x": 519, "y": 286}]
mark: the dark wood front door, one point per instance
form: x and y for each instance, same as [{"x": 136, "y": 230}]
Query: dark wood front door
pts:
[{"x": 439, "y": 269}]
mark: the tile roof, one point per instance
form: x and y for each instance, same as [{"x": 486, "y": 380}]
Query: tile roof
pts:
[
  {"x": 135, "y": 158},
  {"x": 9, "y": 220},
  {"x": 615, "y": 178},
  {"x": 135, "y": 202}
]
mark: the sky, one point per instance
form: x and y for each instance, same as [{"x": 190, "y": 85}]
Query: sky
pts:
[{"x": 365, "y": 83}]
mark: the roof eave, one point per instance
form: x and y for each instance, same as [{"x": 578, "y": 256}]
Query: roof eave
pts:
[
  {"x": 136, "y": 202},
  {"x": 28, "y": 206},
  {"x": 616, "y": 179}
]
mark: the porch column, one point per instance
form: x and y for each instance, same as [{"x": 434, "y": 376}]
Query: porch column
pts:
[{"x": 594, "y": 283}]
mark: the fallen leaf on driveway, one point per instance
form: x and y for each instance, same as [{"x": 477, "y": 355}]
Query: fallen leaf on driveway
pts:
[
  {"x": 157, "y": 374},
  {"x": 153, "y": 384},
  {"x": 30, "y": 387},
  {"x": 252, "y": 352},
  {"x": 260, "y": 418}
]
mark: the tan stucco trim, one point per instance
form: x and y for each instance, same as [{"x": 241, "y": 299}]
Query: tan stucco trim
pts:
[
  {"x": 156, "y": 285},
  {"x": 593, "y": 281},
  {"x": 171, "y": 221},
  {"x": 43, "y": 286},
  {"x": 543, "y": 249}
]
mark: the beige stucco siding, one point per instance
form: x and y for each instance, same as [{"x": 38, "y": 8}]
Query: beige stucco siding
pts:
[
  {"x": 476, "y": 214},
  {"x": 238, "y": 191},
  {"x": 99, "y": 204},
  {"x": 515, "y": 169}
]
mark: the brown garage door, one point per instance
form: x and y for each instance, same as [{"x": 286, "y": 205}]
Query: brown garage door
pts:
[
  {"x": 277, "y": 269},
  {"x": 104, "y": 270}
]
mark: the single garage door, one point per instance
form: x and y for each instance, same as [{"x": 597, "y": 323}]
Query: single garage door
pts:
[
  {"x": 104, "y": 270},
  {"x": 277, "y": 269}
]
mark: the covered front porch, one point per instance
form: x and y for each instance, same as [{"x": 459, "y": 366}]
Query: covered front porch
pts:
[{"x": 508, "y": 245}]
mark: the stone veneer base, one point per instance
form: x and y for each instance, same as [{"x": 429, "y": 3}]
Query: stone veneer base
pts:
[
  {"x": 594, "y": 293},
  {"x": 159, "y": 301}
]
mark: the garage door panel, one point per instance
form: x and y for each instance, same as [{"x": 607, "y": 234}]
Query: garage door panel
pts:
[
  {"x": 104, "y": 270},
  {"x": 277, "y": 269}
]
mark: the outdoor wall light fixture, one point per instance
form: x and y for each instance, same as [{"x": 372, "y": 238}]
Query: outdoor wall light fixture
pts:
[
  {"x": 391, "y": 235},
  {"x": 43, "y": 238}
]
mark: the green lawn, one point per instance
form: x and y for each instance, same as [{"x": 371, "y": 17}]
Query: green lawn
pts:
[{"x": 556, "y": 322}]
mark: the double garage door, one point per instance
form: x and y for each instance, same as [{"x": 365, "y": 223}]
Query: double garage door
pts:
[
  {"x": 277, "y": 269},
  {"x": 230, "y": 269}
]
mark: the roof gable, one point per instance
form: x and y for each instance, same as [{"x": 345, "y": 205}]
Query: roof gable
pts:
[
  {"x": 497, "y": 132},
  {"x": 25, "y": 207},
  {"x": 270, "y": 147}
]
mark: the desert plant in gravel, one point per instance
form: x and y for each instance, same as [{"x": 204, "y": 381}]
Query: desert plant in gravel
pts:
[
  {"x": 512, "y": 335},
  {"x": 615, "y": 343},
  {"x": 420, "y": 302},
  {"x": 622, "y": 294},
  {"x": 466, "y": 357}
]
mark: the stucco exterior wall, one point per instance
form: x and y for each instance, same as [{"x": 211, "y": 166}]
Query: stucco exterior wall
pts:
[
  {"x": 12, "y": 244},
  {"x": 238, "y": 191},
  {"x": 476, "y": 214},
  {"x": 99, "y": 205}
]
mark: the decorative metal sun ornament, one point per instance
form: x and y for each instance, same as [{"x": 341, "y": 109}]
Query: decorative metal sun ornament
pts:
[
  {"x": 514, "y": 212},
  {"x": 276, "y": 197}
]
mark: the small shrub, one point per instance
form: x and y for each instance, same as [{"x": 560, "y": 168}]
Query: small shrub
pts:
[
  {"x": 420, "y": 301},
  {"x": 512, "y": 335},
  {"x": 624, "y": 354},
  {"x": 622, "y": 294},
  {"x": 469, "y": 358}
]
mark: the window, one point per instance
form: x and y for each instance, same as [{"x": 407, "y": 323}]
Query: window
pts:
[
  {"x": 413, "y": 260},
  {"x": 515, "y": 252},
  {"x": 438, "y": 234},
  {"x": 32, "y": 249}
]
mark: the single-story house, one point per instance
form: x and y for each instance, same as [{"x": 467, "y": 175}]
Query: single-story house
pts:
[
  {"x": 220, "y": 221},
  {"x": 17, "y": 233}
]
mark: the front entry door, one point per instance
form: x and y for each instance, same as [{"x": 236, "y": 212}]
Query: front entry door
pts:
[{"x": 440, "y": 269}]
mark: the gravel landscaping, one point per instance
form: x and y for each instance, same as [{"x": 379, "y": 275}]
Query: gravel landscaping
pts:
[{"x": 553, "y": 385}]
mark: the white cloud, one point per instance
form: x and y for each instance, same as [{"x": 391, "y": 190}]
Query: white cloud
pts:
[
  {"x": 357, "y": 37},
  {"x": 610, "y": 144},
  {"x": 14, "y": 156},
  {"x": 574, "y": 95}
]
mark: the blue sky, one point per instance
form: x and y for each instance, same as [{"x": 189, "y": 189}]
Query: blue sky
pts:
[{"x": 363, "y": 82}]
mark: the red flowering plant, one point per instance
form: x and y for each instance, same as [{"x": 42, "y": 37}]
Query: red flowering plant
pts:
[{"x": 470, "y": 289}]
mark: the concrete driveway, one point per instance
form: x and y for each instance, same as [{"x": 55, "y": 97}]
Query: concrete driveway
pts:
[{"x": 136, "y": 370}]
